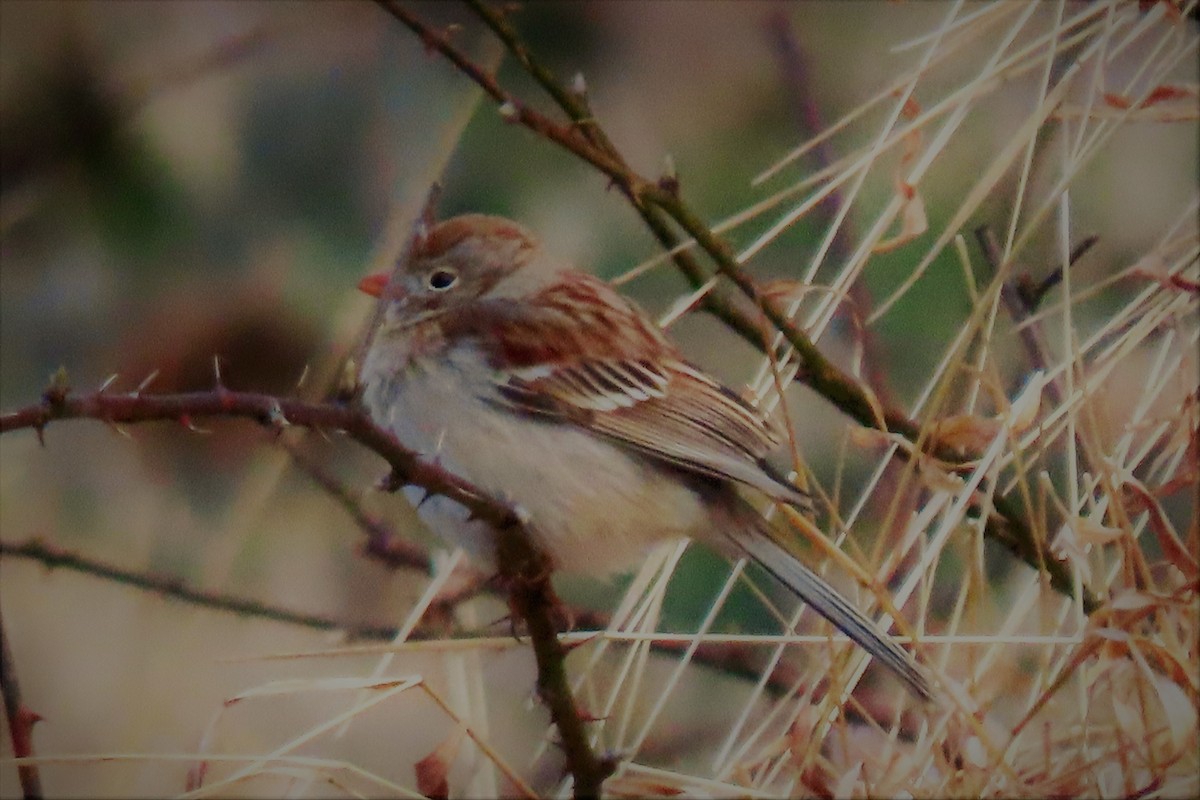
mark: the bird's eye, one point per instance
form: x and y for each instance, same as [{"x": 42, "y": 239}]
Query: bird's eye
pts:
[{"x": 441, "y": 279}]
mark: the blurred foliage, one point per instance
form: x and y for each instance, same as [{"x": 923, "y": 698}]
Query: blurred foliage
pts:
[{"x": 188, "y": 180}]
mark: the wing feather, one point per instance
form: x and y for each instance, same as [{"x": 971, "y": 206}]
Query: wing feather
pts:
[{"x": 613, "y": 372}]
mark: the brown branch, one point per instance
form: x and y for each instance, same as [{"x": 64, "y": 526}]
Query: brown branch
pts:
[
  {"x": 1032, "y": 291},
  {"x": 272, "y": 412},
  {"x": 731, "y": 659},
  {"x": 383, "y": 544},
  {"x": 797, "y": 82},
  {"x": 511, "y": 107},
  {"x": 532, "y": 598},
  {"x": 734, "y": 660},
  {"x": 20, "y": 717},
  {"x": 1022, "y": 297},
  {"x": 53, "y": 557},
  {"x": 1011, "y": 530},
  {"x": 523, "y": 567}
]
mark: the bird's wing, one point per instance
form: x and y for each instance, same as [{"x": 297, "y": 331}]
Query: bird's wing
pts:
[{"x": 578, "y": 353}]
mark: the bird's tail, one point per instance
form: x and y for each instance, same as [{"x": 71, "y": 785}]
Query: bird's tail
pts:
[{"x": 756, "y": 542}]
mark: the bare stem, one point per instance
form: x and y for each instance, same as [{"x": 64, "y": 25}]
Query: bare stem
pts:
[
  {"x": 532, "y": 598},
  {"x": 20, "y": 719}
]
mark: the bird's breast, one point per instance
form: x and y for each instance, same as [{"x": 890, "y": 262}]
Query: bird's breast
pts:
[{"x": 594, "y": 507}]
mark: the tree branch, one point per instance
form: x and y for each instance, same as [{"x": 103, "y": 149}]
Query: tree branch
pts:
[
  {"x": 53, "y": 557},
  {"x": 532, "y": 598},
  {"x": 20, "y": 719},
  {"x": 524, "y": 569}
]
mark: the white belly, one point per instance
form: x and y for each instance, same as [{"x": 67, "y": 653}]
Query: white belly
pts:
[{"x": 592, "y": 507}]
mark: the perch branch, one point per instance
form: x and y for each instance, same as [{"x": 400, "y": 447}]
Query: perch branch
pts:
[
  {"x": 524, "y": 569},
  {"x": 734, "y": 660}
]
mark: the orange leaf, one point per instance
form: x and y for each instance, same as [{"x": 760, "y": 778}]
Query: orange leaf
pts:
[
  {"x": 913, "y": 221},
  {"x": 966, "y": 434},
  {"x": 1164, "y": 92},
  {"x": 1173, "y": 548},
  {"x": 433, "y": 771},
  {"x": 1117, "y": 100}
]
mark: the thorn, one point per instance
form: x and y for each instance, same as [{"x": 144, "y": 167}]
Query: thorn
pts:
[
  {"x": 427, "y": 496},
  {"x": 303, "y": 377},
  {"x": 109, "y": 381},
  {"x": 579, "y": 86},
  {"x": 276, "y": 418},
  {"x": 117, "y": 429},
  {"x": 511, "y": 619},
  {"x": 321, "y": 432},
  {"x": 186, "y": 421},
  {"x": 28, "y": 717},
  {"x": 609, "y": 762},
  {"x": 569, "y": 646},
  {"x": 669, "y": 180},
  {"x": 40, "y": 431},
  {"x": 149, "y": 379},
  {"x": 217, "y": 371},
  {"x": 1078, "y": 251}
]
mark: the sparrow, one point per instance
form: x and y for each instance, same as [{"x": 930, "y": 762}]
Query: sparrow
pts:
[{"x": 547, "y": 389}]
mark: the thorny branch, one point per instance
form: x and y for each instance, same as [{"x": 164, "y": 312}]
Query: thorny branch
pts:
[
  {"x": 275, "y": 414},
  {"x": 736, "y": 660},
  {"x": 660, "y": 206},
  {"x": 53, "y": 557},
  {"x": 532, "y": 598},
  {"x": 20, "y": 719},
  {"x": 521, "y": 566}
]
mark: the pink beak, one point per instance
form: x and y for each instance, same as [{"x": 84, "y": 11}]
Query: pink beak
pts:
[{"x": 374, "y": 284}]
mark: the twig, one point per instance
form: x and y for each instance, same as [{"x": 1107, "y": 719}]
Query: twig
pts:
[
  {"x": 512, "y": 108},
  {"x": 382, "y": 542},
  {"x": 524, "y": 568},
  {"x": 269, "y": 411},
  {"x": 734, "y": 660},
  {"x": 797, "y": 81},
  {"x": 1032, "y": 291},
  {"x": 20, "y": 719},
  {"x": 794, "y": 69},
  {"x": 532, "y": 598},
  {"x": 1022, "y": 297},
  {"x": 56, "y": 557},
  {"x": 737, "y": 661}
]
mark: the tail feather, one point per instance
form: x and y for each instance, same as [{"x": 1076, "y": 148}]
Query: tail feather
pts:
[{"x": 826, "y": 601}]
